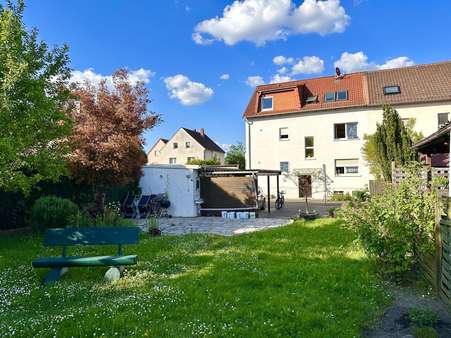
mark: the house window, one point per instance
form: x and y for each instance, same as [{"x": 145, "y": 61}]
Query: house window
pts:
[
  {"x": 266, "y": 103},
  {"x": 312, "y": 99},
  {"x": 346, "y": 167},
  {"x": 172, "y": 160},
  {"x": 342, "y": 95},
  {"x": 283, "y": 134},
  {"x": 175, "y": 145},
  {"x": 190, "y": 159},
  {"x": 309, "y": 147},
  {"x": 389, "y": 90},
  {"x": 284, "y": 167},
  {"x": 345, "y": 131},
  {"x": 329, "y": 97},
  {"x": 443, "y": 118},
  {"x": 187, "y": 144}
]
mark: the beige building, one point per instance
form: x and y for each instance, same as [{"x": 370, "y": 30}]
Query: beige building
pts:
[
  {"x": 183, "y": 146},
  {"x": 321, "y": 123}
]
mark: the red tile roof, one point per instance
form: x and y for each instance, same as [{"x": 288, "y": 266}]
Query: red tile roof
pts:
[
  {"x": 353, "y": 83},
  {"x": 418, "y": 84}
]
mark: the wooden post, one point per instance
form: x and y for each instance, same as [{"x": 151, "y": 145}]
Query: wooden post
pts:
[
  {"x": 269, "y": 197},
  {"x": 325, "y": 183},
  {"x": 278, "y": 191}
]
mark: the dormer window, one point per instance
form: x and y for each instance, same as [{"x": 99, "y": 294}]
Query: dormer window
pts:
[
  {"x": 266, "y": 103},
  {"x": 329, "y": 97},
  {"x": 342, "y": 95},
  {"x": 312, "y": 99},
  {"x": 389, "y": 90}
]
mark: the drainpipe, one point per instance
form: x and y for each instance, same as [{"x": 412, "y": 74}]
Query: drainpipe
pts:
[{"x": 248, "y": 143}]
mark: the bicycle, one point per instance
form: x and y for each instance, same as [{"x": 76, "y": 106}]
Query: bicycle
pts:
[{"x": 280, "y": 201}]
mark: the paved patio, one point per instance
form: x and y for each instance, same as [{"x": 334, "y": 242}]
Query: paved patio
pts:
[
  {"x": 230, "y": 227},
  {"x": 292, "y": 207},
  {"x": 216, "y": 225}
]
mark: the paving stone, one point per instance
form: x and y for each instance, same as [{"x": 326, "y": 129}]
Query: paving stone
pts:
[{"x": 215, "y": 225}]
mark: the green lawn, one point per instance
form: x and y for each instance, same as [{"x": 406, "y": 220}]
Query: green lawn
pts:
[{"x": 304, "y": 280}]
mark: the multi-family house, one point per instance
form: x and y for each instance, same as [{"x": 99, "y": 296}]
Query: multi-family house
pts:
[
  {"x": 185, "y": 145},
  {"x": 319, "y": 123}
]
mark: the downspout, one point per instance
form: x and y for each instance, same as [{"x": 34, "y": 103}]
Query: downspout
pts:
[{"x": 248, "y": 143}]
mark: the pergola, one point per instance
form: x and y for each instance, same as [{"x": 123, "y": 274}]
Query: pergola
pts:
[
  {"x": 437, "y": 143},
  {"x": 224, "y": 171}
]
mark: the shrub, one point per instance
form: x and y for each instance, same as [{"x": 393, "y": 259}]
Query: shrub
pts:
[
  {"x": 51, "y": 212},
  {"x": 341, "y": 197},
  {"x": 423, "y": 317},
  {"x": 397, "y": 225},
  {"x": 110, "y": 217},
  {"x": 425, "y": 332},
  {"x": 361, "y": 195}
]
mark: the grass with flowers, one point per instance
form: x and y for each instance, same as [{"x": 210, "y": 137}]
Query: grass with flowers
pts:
[{"x": 308, "y": 279}]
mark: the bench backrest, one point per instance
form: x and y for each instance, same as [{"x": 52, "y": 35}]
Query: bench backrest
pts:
[{"x": 91, "y": 236}]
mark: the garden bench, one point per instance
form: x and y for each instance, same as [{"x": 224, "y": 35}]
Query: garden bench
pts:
[{"x": 65, "y": 237}]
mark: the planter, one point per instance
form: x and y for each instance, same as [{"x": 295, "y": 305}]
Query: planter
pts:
[
  {"x": 154, "y": 232},
  {"x": 308, "y": 215}
]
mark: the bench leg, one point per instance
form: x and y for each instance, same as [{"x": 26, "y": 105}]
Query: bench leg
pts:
[
  {"x": 112, "y": 274},
  {"x": 54, "y": 275}
]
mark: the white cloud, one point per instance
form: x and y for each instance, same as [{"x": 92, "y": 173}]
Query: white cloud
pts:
[
  {"x": 308, "y": 65},
  {"x": 402, "y": 61},
  {"x": 259, "y": 21},
  {"x": 282, "y": 70},
  {"x": 93, "y": 78},
  {"x": 277, "y": 78},
  {"x": 225, "y": 77},
  {"x": 281, "y": 60},
  {"x": 189, "y": 93},
  {"x": 354, "y": 62},
  {"x": 255, "y": 80},
  {"x": 224, "y": 146}
]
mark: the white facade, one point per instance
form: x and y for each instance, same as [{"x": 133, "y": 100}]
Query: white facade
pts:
[
  {"x": 265, "y": 149},
  {"x": 180, "y": 149},
  {"x": 179, "y": 182}
]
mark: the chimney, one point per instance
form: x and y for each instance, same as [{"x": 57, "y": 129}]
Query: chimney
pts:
[{"x": 202, "y": 131}]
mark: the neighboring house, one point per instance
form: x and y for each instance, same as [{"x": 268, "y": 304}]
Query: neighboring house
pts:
[
  {"x": 183, "y": 146},
  {"x": 154, "y": 153},
  {"x": 322, "y": 121}
]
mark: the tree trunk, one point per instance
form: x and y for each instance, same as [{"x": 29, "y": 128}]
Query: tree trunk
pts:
[{"x": 99, "y": 201}]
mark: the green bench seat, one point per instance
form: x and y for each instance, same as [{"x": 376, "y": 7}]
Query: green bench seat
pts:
[
  {"x": 52, "y": 262},
  {"x": 66, "y": 237}
]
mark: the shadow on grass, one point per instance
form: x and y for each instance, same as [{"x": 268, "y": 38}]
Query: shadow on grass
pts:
[{"x": 306, "y": 279}]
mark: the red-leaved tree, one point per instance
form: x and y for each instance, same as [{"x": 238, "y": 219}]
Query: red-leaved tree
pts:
[{"x": 107, "y": 135}]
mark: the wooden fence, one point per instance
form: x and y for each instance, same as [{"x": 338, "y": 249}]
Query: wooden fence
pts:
[
  {"x": 427, "y": 173},
  {"x": 444, "y": 266},
  {"x": 436, "y": 266}
]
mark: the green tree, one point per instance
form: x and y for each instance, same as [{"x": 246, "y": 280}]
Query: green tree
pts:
[
  {"x": 392, "y": 142},
  {"x": 210, "y": 161},
  {"x": 33, "y": 102},
  {"x": 236, "y": 155}
]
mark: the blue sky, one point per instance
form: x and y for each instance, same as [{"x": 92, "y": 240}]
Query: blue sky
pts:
[{"x": 182, "y": 47}]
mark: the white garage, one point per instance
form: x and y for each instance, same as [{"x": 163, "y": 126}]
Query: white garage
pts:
[{"x": 179, "y": 182}]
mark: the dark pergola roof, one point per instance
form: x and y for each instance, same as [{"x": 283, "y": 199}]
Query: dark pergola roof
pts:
[
  {"x": 437, "y": 140},
  {"x": 231, "y": 171}
]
